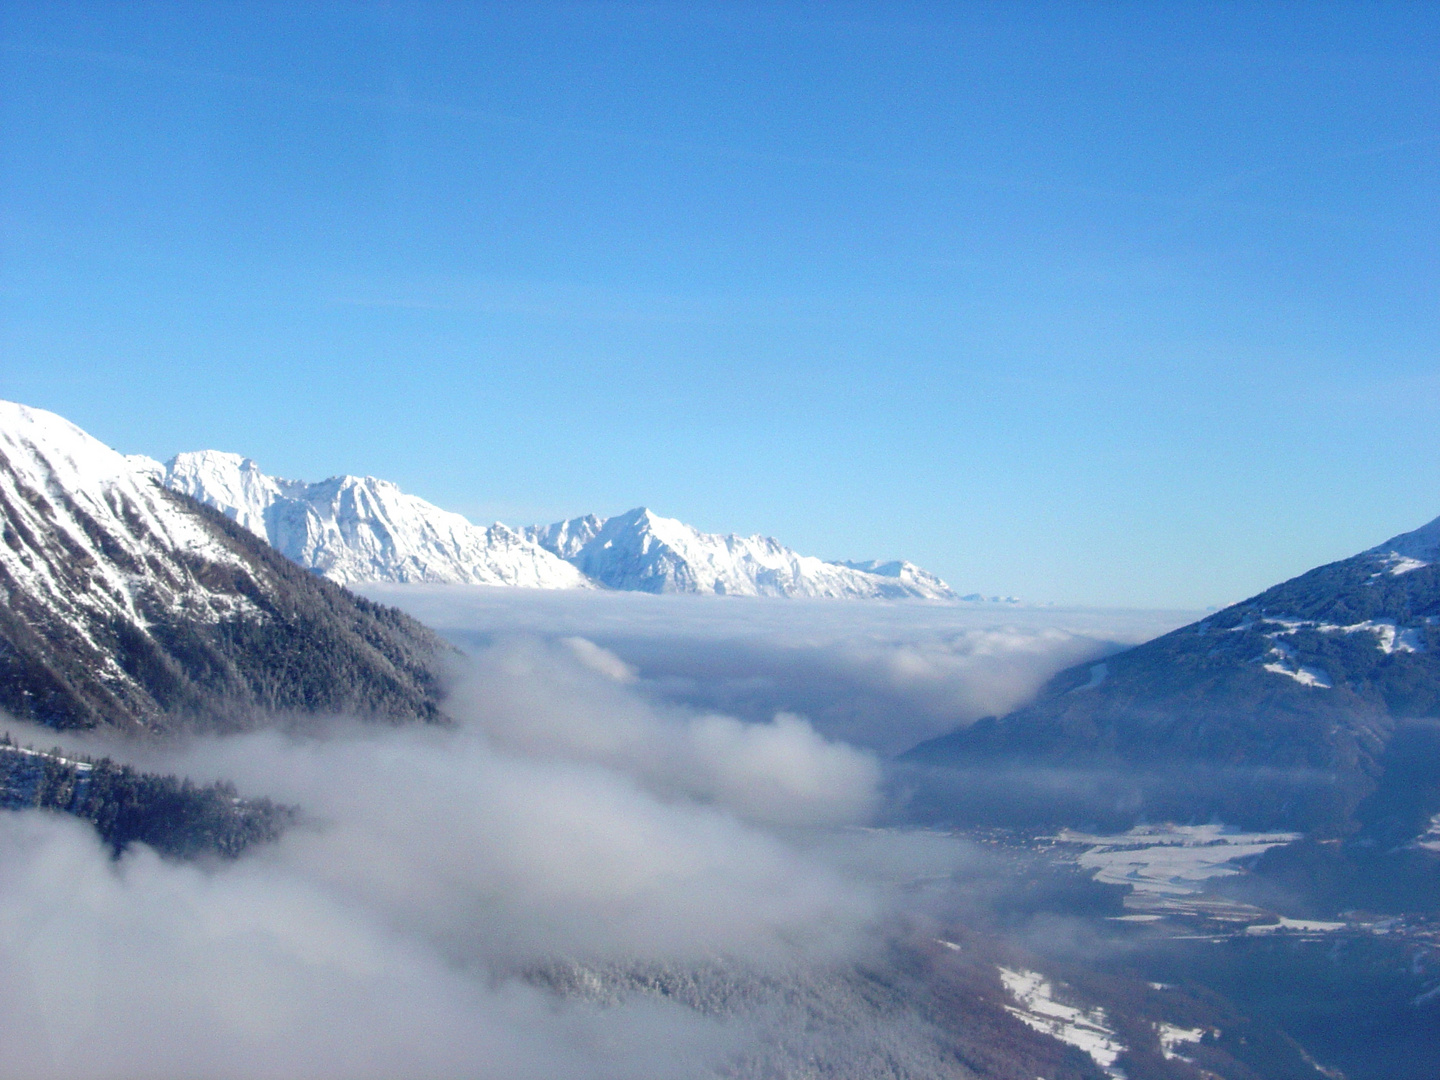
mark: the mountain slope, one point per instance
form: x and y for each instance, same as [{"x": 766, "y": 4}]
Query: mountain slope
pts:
[
  {"x": 129, "y": 605},
  {"x": 644, "y": 552},
  {"x": 174, "y": 817},
  {"x": 920, "y": 581},
  {"x": 1298, "y": 689},
  {"x": 351, "y": 529}
]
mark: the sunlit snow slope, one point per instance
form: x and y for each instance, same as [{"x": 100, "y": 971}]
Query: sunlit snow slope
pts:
[
  {"x": 1412, "y": 550},
  {"x": 644, "y": 552},
  {"x": 123, "y": 603},
  {"x": 352, "y": 528}
]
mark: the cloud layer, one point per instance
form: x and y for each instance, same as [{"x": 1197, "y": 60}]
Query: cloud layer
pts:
[
  {"x": 879, "y": 675},
  {"x": 575, "y": 701},
  {"x": 577, "y": 812},
  {"x": 143, "y": 968}
]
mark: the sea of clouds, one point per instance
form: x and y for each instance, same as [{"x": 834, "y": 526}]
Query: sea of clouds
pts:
[
  {"x": 882, "y": 675},
  {"x": 591, "y": 805}
]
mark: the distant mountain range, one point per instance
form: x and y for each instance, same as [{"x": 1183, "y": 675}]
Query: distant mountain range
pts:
[
  {"x": 643, "y": 552},
  {"x": 354, "y": 529},
  {"x": 132, "y": 606},
  {"x": 1279, "y": 710}
]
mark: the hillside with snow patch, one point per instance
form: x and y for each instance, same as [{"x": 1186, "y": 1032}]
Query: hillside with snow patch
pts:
[{"x": 1273, "y": 712}]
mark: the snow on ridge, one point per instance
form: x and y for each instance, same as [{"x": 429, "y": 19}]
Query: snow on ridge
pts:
[
  {"x": 147, "y": 466},
  {"x": 352, "y": 529},
  {"x": 232, "y": 484},
  {"x": 1305, "y": 676},
  {"x": 1389, "y": 636},
  {"x": 920, "y": 579},
  {"x": 1412, "y": 550},
  {"x": 101, "y": 542},
  {"x": 53, "y": 457},
  {"x": 641, "y": 551},
  {"x": 565, "y": 538},
  {"x": 49, "y": 452}
]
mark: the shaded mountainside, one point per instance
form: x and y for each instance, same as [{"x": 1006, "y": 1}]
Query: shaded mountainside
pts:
[
  {"x": 1275, "y": 711},
  {"x": 124, "y": 604}
]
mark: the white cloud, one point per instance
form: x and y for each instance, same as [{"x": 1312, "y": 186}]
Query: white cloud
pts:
[
  {"x": 884, "y": 676},
  {"x": 146, "y": 968},
  {"x": 582, "y": 809},
  {"x": 537, "y": 700}
]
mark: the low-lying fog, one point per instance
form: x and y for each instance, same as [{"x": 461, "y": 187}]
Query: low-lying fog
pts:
[
  {"x": 880, "y": 675},
  {"x": 673, "y": 781}
]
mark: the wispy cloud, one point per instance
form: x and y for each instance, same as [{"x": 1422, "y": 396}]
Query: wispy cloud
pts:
[
  {"x": 567, "y": 816},
  {"x": 882, "y": 676}
]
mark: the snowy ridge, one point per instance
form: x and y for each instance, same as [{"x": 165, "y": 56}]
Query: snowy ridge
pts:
[
  {"x": 1412, "y": 550},
  {"x": 1389, "y": 638},
  {"x": 907, "y": 573},
  {"x": 93, "y": 543},
  {"x": 94, "y": 520},
  {"x": 125, "y": 604},
  {"x": 353, "y": 529},
  {"x": 566, "y": 538},
  {"x": 641, "y": 551}
]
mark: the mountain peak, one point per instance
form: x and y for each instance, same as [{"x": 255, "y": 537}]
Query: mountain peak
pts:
[
  {"x": 354, "y": 528},
  {"x": 643, "y": 551},
  {"x": 1289, "y": 697},
  {"x": 52, "y": 450},
  {"x": 231, "y": 483},
  {"x": 362, "y": 528},
  {"x": 131, "y": 605}
]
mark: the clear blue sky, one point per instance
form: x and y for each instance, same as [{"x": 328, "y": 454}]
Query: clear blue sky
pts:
[{"x": 1104, "y": 303}]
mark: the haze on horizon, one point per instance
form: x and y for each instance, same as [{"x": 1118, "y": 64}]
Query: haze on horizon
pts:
[{"x": 1122, "y": 305}]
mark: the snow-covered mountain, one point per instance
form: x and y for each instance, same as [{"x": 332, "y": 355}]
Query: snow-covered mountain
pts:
[
  {"x": 81, "y": 527},
  {"x": 907, "y": 573},
  {"x": 123, "y": 603},
  {"x": 1274, "y": 712},
  {"x": 353, "y": 528},
  {"x": 644, "y": 552}
]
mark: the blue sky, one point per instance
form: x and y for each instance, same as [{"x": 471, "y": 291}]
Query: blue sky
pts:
[{"x": 1110, "y": 304}]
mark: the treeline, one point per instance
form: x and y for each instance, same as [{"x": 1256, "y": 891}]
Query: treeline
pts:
[{"x": 175, "y": 817}]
